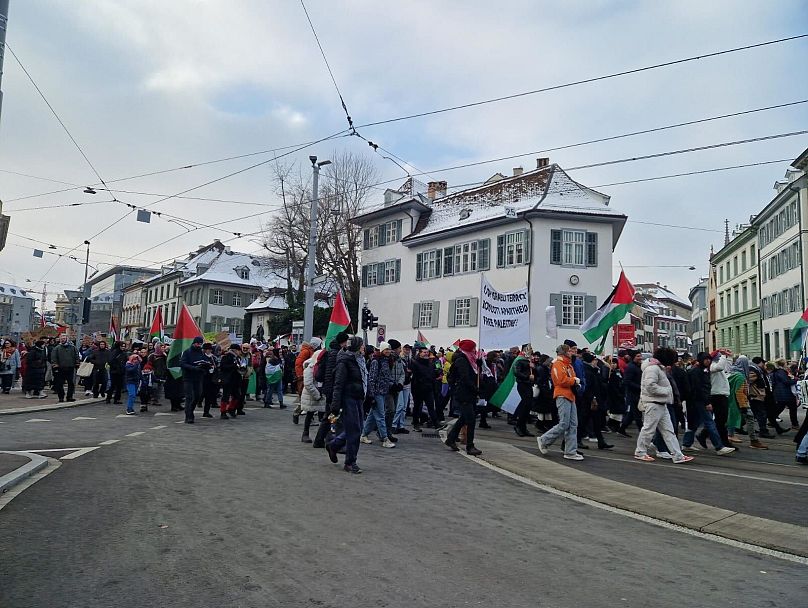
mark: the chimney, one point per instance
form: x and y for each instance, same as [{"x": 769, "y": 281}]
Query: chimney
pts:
[
  {"x": 542, "y": 162},
  {"x": 436, "y": 190},
  {"x": 517, "y": 171}
]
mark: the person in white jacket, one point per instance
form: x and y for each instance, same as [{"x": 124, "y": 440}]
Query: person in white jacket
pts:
[
  {"x": 311, "y": 399},
  {"x": 719, "y": 391},
  {"x": 656, "y": 393}
]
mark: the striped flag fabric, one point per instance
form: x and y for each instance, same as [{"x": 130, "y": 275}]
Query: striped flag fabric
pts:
[
  {"x": 611, "y": 312},
  {"x": 113, "y": 330},
  {"x": 156, "y": 330},
  {"x": 798, "y": 334},
  {"x": 340, "y": 320},
  {"x": 184, "y": 335},
  {"x": 507, "y": 397},
  {"x": 422, "y": 339}
]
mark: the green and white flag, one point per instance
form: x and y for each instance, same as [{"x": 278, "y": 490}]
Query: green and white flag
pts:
[
  {"x": 616, "y": 306},
  {"x": 507, "y": 397}
]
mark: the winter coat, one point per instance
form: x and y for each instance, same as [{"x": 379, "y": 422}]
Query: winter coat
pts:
[
  {"x": 680, "y": 377},
  {"x": 311, "y": 399},
  {"x": 189, "y": 361},
  {"x": 654, "y": 384},
  {"x": 463, "y": 379},
  {"x": 11, "y": 364},
  {"x": 117, "y": 361},
  {"x": 594, "y": 386},
  {"x": 545, "y": 402},
  {"x": 65, "y": 356},
  {"x": 781, "y": 386},
  {"x": 578, "y": 366},
  {"x": 424, "y": 376},
  {"x": 306, "y": 351},
  {"x": 632, "y": 379},
  {"x": 563, "y": 376},
  {"x": 381, "y": 375},
  {"x": 99, "y": 358},
  {"x": 698, "y": 385},
  {"x": 522, "y": 371},
  {"x": 229, "y": 369},
  {"x": 348, "y": 382},
  {"x": 132, "y": 373},
  {"x": 159, "y": 365},
  {"x": 615, "y": 393},
  {"x": 719, "y": 383},
  {"x": 330, "y": 369}
]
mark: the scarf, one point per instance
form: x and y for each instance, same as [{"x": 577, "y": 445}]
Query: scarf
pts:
[
  {"x": 472, "y": 357},
  {"x": 363, "y": 368},
  {"x": 741, "y": 366}
]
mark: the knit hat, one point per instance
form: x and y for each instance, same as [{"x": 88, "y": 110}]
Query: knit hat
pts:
[
  {"x": 199, "y": 340},
  {"x": 316, "y": 343},
  {"x": 384, "y": 346},
  {"x": 571, "y": 343},
  {"x": 394, "y": 344},
  {"x": 342, "y": 337},
  {"x": 467, "y": 345}
]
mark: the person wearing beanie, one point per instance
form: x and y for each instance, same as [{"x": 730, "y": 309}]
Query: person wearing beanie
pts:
[
  {"x": 329, "y": 364},
  {"x": 699, "y": 409},
  {"x": 312, "y": 399},
  {"x": 524, "y": 373},
  {"x": 380, "y": 383},
  {"x": 194, "y": 364},
  {"x": 347, "y": 397},
  {"x": 719, "y": 391},
  {"x": 210, "y": 380},
  {"x": 463, "y": 378},
  {"x": 396, "y": 404}
]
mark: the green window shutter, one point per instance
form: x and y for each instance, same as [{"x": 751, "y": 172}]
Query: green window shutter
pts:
[
  {"x": 501, "y": 251},
  {"x": 364, "y": 275},
  {"x": 555, "y": 247},
  {"x": 382, "y": 235},
  {"x": 590, "y": 306},
  {"x": 527, "y": 245},
  {"x": 435, "y": 313},
  {"x": 380, "y": 273},
  {"x": 439, "y": 260},
  {"x": 555, "y": 300},
  {"x": 210, "y": 297},
  {"x": 416, "y": 314},
  {"x": 399, "y": 225},
  {"x": 448, "y": 260},
  {"x": 398, "y": 270},
  {"x": 452, "y": 310},
  {"x": 483, "y": 254},
  {"x": 418, "y": 263},
  {"x": 365, "y": 238},
  {"x": 591, "y": 248},
  {"x": 474, "y": 312}
]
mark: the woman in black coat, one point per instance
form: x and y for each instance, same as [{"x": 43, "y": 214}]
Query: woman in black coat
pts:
[
  {"x": 424, "y": 377},
  {"x": 350, "y": 388},
  {"x": 35, "y": 364},
  {"x": 464, "y": 382}
]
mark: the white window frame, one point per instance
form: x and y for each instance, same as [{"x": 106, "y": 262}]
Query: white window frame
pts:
[
  {"x": 425, "y": 312},
  {"x": 244, "y": 273},
  {"x": 372, "y": 276},
  {"x": 515, "y": 254},
  {"x": 236, "y": 298},
  {"x": 390, "y": 271},
  {"x": 573, "y": 309},
  {"x": 430, "y": 268},
  {"x": 462, "y": 312},
  {"x": 573, "y": 247},
  {"x": 373, "y": 237},
  {"x": 391, "y": 232},
  {"x": 218, "y": 297}
]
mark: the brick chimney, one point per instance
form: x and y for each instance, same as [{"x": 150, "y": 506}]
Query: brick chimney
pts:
[
  {"x": 542, "y": 162},
  {"x": 436, "y": 190},
  {"x": 517, "y": 171}
]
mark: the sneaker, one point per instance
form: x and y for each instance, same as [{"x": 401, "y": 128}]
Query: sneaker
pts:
[
  {"x": 365, "y": 439},
  {"x": 388, "y": 444},
  {"x": 392, "y": 439},
  {"x": 332, "y": 455},
  {"x": 725, "y": 451},
  {"x": 802, "y": 459},
  {"x": 88, "y": 393},
  {"x": 665, "y": 455},
  {"x": 573, "y": 456},
  {"x": 592, "y": 439},
  {"x": 644, "y": 458},
  {"x": 352, "y": 468},
  {"x": 472, "y": 451},
  {"x": 542, "y": 447},
  {"x": 691, "y": 448},
  {"x": 683, "y": 460},
  {"x": 131, "y": 413},
  {"x": 41, "y": 396}
]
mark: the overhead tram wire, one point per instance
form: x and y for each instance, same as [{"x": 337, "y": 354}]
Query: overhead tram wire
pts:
[{"x": 583, "y": 81}]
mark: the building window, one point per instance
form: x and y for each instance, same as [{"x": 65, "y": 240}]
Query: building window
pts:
[
  {"x": 428, "y": 265},
  {"x": 721, "y": 275},
  {"x": 573, "y": 248},
  {"x": 218, "y": 297},
  {"x": 754, "y": 292},
  {"x": 235, "y": 326},
  {"x": 216, "y": 323},
  {"x": 723, "y": 310},
  {"x": 173, "y": 313},
  {"x": 372, "y": 237},
  {"x": 236, "y": 298},
  {"x": 752, "y": 258},
  {"x": 390, "y": 271},
  {"x": 391, "y": 232},
  {"x": 743, "y": 261},
  {"x": 466, "y": 257},
  {"x": 425, "y": 314},
  {"x": 572, "y": 309},
  {"x": 243, "y": 273},
  {"x": 736, "y": 301},
  {"x": 462, "y": 316},
  {"x": 371, "y": 275},
  {"x": 512, "y": 249}
]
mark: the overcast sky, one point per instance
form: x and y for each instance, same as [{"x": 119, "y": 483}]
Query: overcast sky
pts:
[{"x": 152, "y": 85}]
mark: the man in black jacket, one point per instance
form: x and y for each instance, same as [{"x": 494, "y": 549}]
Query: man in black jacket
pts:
[
  {"x": 117, "y": 367},
  {"x": 64, "y": 360},
  {"x": 328, "y": 367},
  {"x": 523, "y": 373},
  {"x": 194, "y": 364},
  {"x": 699, "y": 410},
  {"x": 588, "y": 406},
  {"x": 463, "y": 378},
  {"x": 348, "y": 394},
  {"x": 632, "y": 378},
  {"x": 424, "y": 377}
]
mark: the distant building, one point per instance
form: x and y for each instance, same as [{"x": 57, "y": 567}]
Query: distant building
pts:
[
  {"x": 106, "y": 294},
  {"x": 665, "y": 318},
  {"x": 61, "y": 305},
  {"x": 16, "y": 311},
  {"x": 133, "y": 318},
  {"x": 698, "y": 317}
]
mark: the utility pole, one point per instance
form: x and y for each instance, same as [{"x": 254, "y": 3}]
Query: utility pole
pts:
[
  {"x": 311, "y": 267},
  {"x": 84, "y": 296},
  {"x": 4, "y": 219}
]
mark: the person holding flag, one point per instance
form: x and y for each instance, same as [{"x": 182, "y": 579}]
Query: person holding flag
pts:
[
  {"x": 187, "y": 361},
  {"x": 611, "y": 312},
  {"x": 464, "y": 380},
  {"x": 156, "y": 330}
]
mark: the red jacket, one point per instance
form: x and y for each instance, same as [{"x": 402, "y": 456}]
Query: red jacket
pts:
[{"x": 563, "y": 375}]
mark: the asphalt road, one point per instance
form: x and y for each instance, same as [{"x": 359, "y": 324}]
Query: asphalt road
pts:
[{"x": 240, "y": 513}]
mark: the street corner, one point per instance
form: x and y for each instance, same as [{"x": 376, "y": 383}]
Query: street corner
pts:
[{"x": 17, "y": 467}]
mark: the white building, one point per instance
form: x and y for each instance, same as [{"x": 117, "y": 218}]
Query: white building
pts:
[
  {"x": 16, "y": 311},
  {"x": 782, "y": 242},
  {"x": 423, "y": 256},
  {"x": 698, "y": 318}
]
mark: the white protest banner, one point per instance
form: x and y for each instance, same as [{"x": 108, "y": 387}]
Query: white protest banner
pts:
[
  {"x": 504, "y": 317},
  {"x": 551, "y": 321}
]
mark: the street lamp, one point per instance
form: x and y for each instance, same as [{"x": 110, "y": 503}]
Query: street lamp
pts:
[
  {"x": 84, "y": 295},
  {"x": 308, "y": 311}
]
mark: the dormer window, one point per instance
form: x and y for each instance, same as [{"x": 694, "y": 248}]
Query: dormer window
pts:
[
  {"x": 202, "y": 268},
  {"x": 243, "y": 272}
]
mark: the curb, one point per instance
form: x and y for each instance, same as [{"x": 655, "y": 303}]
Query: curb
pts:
[
  {"x": 36, "y": 464},
  {"x": 51, "y": 406},
  {"x": 732, "y": 525}
]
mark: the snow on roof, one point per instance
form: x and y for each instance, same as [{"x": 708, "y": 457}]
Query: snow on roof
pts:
[
  {"x": 14, "y": 291},
  {"x": 270, "y": 303},
  {"x": 548, "y": 188},
  {"x": 660, "y": 292},
  {"x": 225, "y": 267}
]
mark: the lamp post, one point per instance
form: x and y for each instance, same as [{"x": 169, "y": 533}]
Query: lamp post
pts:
[
  {"x": 84, "y": 296},
  {"x": 311, "y": 269}
]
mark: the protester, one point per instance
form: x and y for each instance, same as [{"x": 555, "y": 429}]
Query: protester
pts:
[
  {"x": 719, "y": 391},
  {"x": 523, "y": 371},
  {"x": 464, "y": 382},
  {"x": 34, "y": 376},
  {"x": 306, "y": 351},
  {"x": 632, "y": 378},
  {"x": 10, "y": 364},
  {"x": 338, "y": 344},
  {"x": 739, "y": 400},
  {"x": 589, "y": 410},
  {"x": 273, "y": 372},
  {"x": 424, "y": 378},
  {"x": 782, "y": 382},
  {"x": 194, "y": 364},
  {"x": 700, "y": 410},
  {"x": 64, "y": 361},
  {"x": 380, "y": 382},
  {"x": 210, "y": 380},
  {"x": 311, "y": 399},
  {"x": 231, "y": 382},
  {"x": 565, "y": 385},
  {"x": 350, "y": 386},
  {"x": 132, "y": 379}
]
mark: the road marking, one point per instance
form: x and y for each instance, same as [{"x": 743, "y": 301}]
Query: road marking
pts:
[
  {"x": 84, "y": 418},
  {"x": 644, "y": 518},
  {"x": 162, "y": 426},
  {"x": 109, "y": 442},
  {"x": 38, "y": 420},
  {"x": 78, "y": 453},
  {"x": 164, "y": 414},
  {"x": 135, "y": 434},
  {"x": 124, "y": 416},
  {"x": 179, "y": 421},
  {"x": 252, "y": 408},
  {"x": 54, "y": 450}
]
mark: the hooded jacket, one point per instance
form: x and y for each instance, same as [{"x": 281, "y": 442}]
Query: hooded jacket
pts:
[
  {"x": 348, "y": 382},
  {"x": 330, "y": 369},
  {"x": 719, "y": 377},
  {"x": 424, "y": 375},
  {"x": 311, "y": 399},
  {"x": 563, "y": 376},
  {"x": 655, "y": 386},
  {"x": 381, "y": 375},
  {"x": 306, "y": 351}
]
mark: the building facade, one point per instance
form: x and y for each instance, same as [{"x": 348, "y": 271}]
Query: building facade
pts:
[
  {"x": 16, "y": 311},
  {"x": 661, "y": 318},
  {"x": 132, "y": 316},
  {"x": 106, "y": 294},
  {"x": 424, "y": 256},
  {"x": 698, "y": 318},
  {"x": 738, "y": 309}
]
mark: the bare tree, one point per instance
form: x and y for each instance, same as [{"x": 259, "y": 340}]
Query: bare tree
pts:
[{"x": 345, "y": 186}]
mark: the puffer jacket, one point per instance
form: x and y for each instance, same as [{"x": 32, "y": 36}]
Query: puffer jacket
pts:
[
  {"x": 380, "y": 375},
  {"x": 781, "y": 386},
  {"x": 348, "y": 383},
  {"x": 655, "y": 386},
  {"x": 719, "y": 376},
  {"x": 330, "y": 369},
  {"x": 311, "y": 399}
]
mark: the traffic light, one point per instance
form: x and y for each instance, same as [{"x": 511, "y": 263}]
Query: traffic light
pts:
[{"x": 368, "y": 320}]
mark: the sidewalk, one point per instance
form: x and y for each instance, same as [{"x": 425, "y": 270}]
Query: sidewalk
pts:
[
  {"x": 16, "y": 403},
  {"x": 16, "y": 467}
]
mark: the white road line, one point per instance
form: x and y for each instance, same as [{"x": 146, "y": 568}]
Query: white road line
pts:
[
  {"x": 155, "y": 428},
  {"x": 53, "y": 450},
  {"x": 164, "y": 414},
  {"x": 179, "y": 421},
  {"x": 124, "y": 416},
  {"x": 84, "y": 418},
  {"x": 135, "y": 434},
  {"x": 38, "y": 420},
  {"x": 80, "y": 452},
  {"x": 644, "y": 518},
  {"x": 109, "y": 442}
]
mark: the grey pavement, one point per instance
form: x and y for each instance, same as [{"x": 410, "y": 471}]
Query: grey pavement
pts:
[
  {"x": 240, "y": 513},
  {"x": 11, "y": 462},
  {"x": 16, "y": 403}
]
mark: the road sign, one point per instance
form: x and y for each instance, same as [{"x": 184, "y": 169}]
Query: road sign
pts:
[{"x": 381, "y": 333}]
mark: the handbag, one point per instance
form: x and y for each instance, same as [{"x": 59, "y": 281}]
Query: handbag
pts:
[
  {"x": 536, "y": 391},
  {"x": 85, "y": 370}
]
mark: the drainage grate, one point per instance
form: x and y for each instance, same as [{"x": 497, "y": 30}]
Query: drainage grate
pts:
[{"x": 430, "y": 435}]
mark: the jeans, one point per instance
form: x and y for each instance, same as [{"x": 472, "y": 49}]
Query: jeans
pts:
[
  {"x": 61, "y": 376},
  {"x": 657, "y": 417},
  {"x": 802, "y": 450},
  {"x": 467, "y": 417},
  {"x": 131, "y": 393},
  {"x": 274, "y": 388},
  {"x": 193, "y": 395},
  {"x": 401, "y": 408},
  {"x": 697, "y": 415},
  {"x": 375, "y": 418},
  {"x": 567, "y": 427},
  {"x": 351, "y": 423}
]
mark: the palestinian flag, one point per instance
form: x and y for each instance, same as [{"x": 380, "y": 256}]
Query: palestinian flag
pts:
[
  {"x": 340, "y": 320},
  {"x": 507, "y": 397},
  {"x": 616, "y": 306},
  {"x": 156, "y": 330},
  {"x": 184, "y": 335},
  {"x": 798, "y": 333},
  {"x": 422, "y": 339},
  {"x": 113, "y": 330}
]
